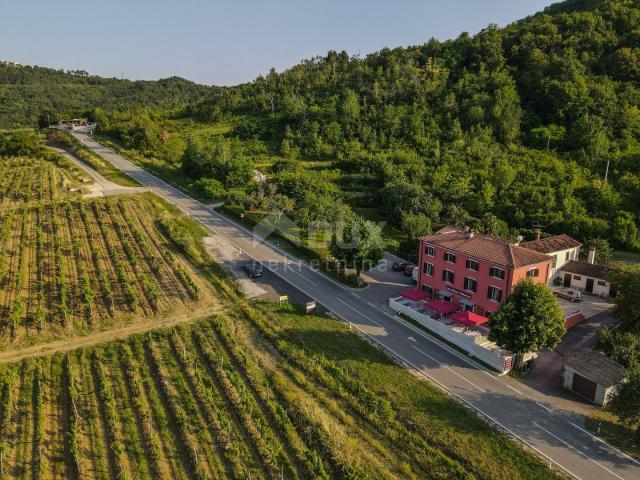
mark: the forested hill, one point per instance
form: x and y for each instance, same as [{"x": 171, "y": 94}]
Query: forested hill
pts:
[
  {"x": 26, "y": 92},
  {"x": 514, "y": 124}
]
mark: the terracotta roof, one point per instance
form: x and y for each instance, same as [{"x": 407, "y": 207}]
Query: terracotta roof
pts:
[
  {"x": 596, "y": 367},
  {"x": 552, "y": 244},
  {"x": 485, "y": 247},
  {"x": 584, "y": 268}
]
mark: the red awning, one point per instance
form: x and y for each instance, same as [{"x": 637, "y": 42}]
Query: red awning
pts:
[
  {"x": 468, "y": 318},
  {"x": 414, "y": 294},
  {"x": 442, "y": 307}
]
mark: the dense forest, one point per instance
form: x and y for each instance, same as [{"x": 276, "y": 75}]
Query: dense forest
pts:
[
  {"x": 509, "y": 129},
  {"x": 29, "y": 94},
  {"x": 534, "y": 125}
]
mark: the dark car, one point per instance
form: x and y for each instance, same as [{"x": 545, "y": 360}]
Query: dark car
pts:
[
  {"x": 408, "y": 269},
  {"x": 253, "y": 269},
  {"x": 398, "y": 266}
]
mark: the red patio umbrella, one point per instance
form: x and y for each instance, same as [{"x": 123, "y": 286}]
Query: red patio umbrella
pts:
[
  {"x": 413, "y": 294},
  {"x": 468, "y": 318},
  {"x": 442, "y": 307}
]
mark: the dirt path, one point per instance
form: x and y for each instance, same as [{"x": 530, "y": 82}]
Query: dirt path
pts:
[{"x": 119, "y": 333}]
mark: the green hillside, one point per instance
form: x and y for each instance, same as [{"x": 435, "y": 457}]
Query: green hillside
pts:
[{"x": 29, "y": 91}]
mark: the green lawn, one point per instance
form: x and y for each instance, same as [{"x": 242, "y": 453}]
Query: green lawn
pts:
[
  {"x": 626, "y": 257},
  {"x": 606, "y": 426},
  {"x": 448, "y": 426}
]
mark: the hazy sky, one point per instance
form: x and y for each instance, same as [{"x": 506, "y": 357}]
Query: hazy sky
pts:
[{"x": 225, "y": 42}]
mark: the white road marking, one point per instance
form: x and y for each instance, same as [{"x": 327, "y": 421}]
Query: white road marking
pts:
[
  {"x": 300, "y": 275},
  {"x": 577, "y": 451},
  {"x": 451, "y": 370},
  {"x": 628, "y": 457},
  {"x": 371, "y": 305},
  {"x": 545, "y": 407},
  {"x": 517, "y": 391},
  {"x": 359, "y": 313}
]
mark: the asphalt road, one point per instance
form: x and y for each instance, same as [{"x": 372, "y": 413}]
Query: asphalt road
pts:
[{"x": 535, "y": 419}]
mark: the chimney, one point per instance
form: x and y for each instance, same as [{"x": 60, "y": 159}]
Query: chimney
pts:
[
  {"x": 591, "y": 258},
  {"x": 538, "y": 233}
]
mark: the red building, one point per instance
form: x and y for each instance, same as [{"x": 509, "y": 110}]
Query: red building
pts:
[{"x": 474, "y": 270}]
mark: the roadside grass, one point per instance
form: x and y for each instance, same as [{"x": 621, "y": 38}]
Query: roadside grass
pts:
[
  {"x": 606, "y": 426},
  {"x": 625, "y": 256},
  {"x": 103, "y": 167},
  {"x": 426, "y": 410}
]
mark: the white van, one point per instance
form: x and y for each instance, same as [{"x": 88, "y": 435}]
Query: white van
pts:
[{"x": 414, "y": 274}]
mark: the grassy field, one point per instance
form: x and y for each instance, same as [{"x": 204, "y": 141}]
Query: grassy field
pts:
[{"x": 608, "y": 427}]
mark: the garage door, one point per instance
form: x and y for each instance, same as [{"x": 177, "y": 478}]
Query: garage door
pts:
[{"x": 584, "y": 386}]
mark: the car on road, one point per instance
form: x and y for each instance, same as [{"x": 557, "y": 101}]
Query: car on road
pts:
[
  {"x": 408, "y": 269},
  {"x": 253, "y": 269},
  {"x": 398, "y": 266},
  {"x": 569, "y": 293},
  {"x": 414, "y": 274}
]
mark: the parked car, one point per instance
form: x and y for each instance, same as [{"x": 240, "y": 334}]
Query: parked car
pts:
[
  {"x": 408, "y": 269},
  {"x": 398, "y": 266},
  {"x": 253, "y": 269},
  {"x": 414, "y": 274},
  {"x": 569, "y": 293}
]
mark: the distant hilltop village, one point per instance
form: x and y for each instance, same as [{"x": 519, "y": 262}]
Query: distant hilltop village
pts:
[{"x": 75, "y": 73}]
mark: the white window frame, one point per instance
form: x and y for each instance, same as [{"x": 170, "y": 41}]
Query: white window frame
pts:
[
  {"x": 433, "y": 251},
  {"x": 472, "y": 269},
  {"x": 499, "y": 290},
  {"x": 453, "y": 274},
  {"x": 497, "y": 268},
  {"x": 465, "y": 287},
  {"x": 449, "y": 261},
  {"x": 423, "y": 269}
]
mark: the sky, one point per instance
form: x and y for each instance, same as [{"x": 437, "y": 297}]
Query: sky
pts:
[{"x": 226, "y": 42}]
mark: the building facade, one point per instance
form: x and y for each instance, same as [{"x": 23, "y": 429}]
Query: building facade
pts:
[
  {"x": 561, "y": 248},
  {"x": 474, "y": 270}
]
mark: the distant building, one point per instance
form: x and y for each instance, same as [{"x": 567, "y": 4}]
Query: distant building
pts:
[
  {"x": 561, "y": 248},
  {"x": 474, "y": 270},
  {"x": 591, "y": 375},
  {"x": 587, "y": 276}
]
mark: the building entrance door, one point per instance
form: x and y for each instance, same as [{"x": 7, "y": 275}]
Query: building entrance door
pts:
[
  {"x": 567, "y": 280},
  {"x": 589, "y": 287}
]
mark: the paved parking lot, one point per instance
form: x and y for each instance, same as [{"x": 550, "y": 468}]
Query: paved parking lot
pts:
[
  {"x": 383, "y": 283},
  {"x": 590, "y": 306}
]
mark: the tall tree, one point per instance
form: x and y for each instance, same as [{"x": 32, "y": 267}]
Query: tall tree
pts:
[
  {"x": 359, "y": 245},
  {"x": 529, "y": 319},
  {"x": 625, "y": 403}
]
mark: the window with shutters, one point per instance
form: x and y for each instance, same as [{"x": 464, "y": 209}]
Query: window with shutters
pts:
[
  {"x": 447, "y": 276},
  {"x": 428, "y": 269},
  {"x": 494, "y": 294},
  {"x": 496, "y": 272},
  {"x": 470, "y": 284}
]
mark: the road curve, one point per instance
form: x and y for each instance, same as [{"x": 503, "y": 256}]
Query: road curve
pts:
[{"x": 558, "y": 436}]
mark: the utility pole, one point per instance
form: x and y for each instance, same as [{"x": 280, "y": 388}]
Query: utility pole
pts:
[{"x": 606, "y": 172}]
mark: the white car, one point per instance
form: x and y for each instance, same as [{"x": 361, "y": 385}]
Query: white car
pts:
[
  {"x": 414, "y": 274},
  {"x": 569, "y": 293}
]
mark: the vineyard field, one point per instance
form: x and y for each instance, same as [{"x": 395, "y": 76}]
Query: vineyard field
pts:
[
  {"x": 73, "y": 266},
  {"x": 233, "y": 396},
  {"x": 25, "y": 180}
]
